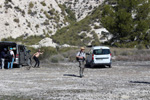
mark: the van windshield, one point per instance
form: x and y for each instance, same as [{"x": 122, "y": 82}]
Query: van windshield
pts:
[{"x": 101, "y": 51}]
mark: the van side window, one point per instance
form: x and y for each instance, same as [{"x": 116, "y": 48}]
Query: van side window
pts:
[
  {"x": 91, "y": 51},
  {"x": 21, "y": 48}
]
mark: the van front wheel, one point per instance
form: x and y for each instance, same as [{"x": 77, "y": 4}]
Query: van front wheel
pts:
[{"x": 109, "y": 66}]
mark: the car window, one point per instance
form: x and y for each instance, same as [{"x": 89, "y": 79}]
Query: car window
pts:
[
  {"x": 101, "y": 51},
  {"x": 21, "y": 48}
]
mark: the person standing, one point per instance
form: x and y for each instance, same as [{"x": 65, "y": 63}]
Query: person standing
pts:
[
  {"x": 35, "y": 57},
  {"x": 3, "y": 55},
  {"x": 11, "y": 57},
  {"x": 80, "y": 56}
]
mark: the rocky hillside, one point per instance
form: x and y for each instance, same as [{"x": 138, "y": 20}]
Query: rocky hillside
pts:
[{"x": 41, "y": 17}]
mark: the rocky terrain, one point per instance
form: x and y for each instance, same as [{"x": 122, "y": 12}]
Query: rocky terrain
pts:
[
  {"x": 40, "y": 17},
  {"x": 124, "y": 81}
]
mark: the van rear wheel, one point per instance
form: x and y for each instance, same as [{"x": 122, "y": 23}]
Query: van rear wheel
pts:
[
  {"x": 29, "y": 62},
  {"x": 19, "y": 66}
]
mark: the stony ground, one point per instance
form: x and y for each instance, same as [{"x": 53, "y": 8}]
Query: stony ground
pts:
[{"x": 124, "y": 81}]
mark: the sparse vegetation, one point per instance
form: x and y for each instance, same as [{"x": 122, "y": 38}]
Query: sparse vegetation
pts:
[
  {"x": 54, "y": 60},
  {"x": 29, "y": 24},
  {"x": 16, "y": 20},
  {"x": 71, "y": 15},
  {"x": 29, "y": 11},
  {"x": 129, "y": 54},
  {"x": 37, "y": 26},
  {"x": 47, "y": 15},
  {"x": 27, "y": 41},
  {"x": 46, "y": 22},
  {"x": 31, "y": 5},
  {"x": 72, "y": 31},
  {"x": 43, "y": 3}
]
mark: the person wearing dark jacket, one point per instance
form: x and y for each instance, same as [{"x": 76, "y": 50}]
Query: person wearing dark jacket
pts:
[{"x": 3, "y": 56}]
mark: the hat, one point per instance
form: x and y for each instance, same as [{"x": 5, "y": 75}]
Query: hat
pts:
[
  {"x": 11, "y": 48},
  {"x": 82, "y": 48}
]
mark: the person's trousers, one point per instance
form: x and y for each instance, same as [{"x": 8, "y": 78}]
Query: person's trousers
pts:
[
  {"x": 3, "y": 63},
  {"x": 37, "y": 62},
  {"x": 81, "y": 66},
  {"x": 11, "y": 63}
]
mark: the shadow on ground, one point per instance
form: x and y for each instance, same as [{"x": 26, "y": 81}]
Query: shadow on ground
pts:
[
  {"x": 140, "y": 82},
  {"x": 96, "y": 67},
  {"x": 71, "y": 75}
]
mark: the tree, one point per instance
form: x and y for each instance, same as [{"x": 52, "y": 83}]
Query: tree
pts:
[{"x": 127, "y": 20}]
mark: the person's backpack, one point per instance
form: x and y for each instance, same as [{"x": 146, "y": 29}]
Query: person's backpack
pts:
[
  {"x": 9, "y": 56},
  {"x": 79, "y": 58}
]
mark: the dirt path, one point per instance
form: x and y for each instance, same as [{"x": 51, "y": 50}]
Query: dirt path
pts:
[{"x": 124, "y": 81}]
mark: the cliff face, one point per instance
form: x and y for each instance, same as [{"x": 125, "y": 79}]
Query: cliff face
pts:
[
  {"x": 38, "y": 17},
  {"x": 82, "y": 7},
  {"x": 34, "y": 17}
]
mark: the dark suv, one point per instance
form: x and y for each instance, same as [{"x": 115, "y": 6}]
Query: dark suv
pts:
[{"x": 22, "y": 54}]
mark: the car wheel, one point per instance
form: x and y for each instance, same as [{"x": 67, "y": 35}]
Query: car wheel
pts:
[
  {"x": 91, "y": 65},
  {"x": 29, "y": 62},
  {"x": 19, "y": 66},
  {"x": 109, "y": 66}
]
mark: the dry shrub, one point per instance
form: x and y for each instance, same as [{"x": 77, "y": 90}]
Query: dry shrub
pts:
[
  {"x": 129, "y": 54},
  {"x": 133, "y": 58}
]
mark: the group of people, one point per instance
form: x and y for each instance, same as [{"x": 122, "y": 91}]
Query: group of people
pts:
[
  {"x": 7, "y": 55},
  {"x": 80, "y": 56}
]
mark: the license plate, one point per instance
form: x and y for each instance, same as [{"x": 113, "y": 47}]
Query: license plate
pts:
[{"x": 99, "y": 59}]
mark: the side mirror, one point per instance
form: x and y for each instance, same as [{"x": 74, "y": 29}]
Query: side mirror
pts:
[{"x": 87, "y": 53}]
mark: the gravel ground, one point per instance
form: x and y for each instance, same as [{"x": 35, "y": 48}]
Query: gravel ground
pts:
[{"x": 124, "y": 81}]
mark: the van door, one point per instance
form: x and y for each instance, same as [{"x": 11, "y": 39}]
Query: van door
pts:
[
  {"x": 89, "y": 57},
  {"x": 21, "y": 54}
]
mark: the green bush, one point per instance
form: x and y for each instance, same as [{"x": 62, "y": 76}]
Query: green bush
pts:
[
  {"x": 37, "y": 26},
  {"x": 46, "y": 22},
  {"x": 43, "y": 3},
  {"x": 140, "y": 46},
  {"x": 27, "y": 41},
  {"x": 54, "y": 60},
  {"x": 87, "y": 40},
  {"x": 47, "y": 15},
  {"x": 31, "y": 5},
  {"x": 83, "y": 35},
  {"x": 47, "y": 52},
  {"x": 65, "y": 49},
  {"x": 16, "y": 20}
]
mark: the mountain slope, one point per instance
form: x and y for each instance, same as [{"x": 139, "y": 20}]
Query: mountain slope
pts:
[{"x": 23, "y": 19}]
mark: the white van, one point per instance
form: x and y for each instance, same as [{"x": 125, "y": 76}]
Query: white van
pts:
[{"x": 99, "y": 55}]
